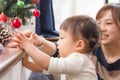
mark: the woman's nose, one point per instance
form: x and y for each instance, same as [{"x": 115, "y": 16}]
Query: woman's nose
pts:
[{"x": 102, "y": 27}]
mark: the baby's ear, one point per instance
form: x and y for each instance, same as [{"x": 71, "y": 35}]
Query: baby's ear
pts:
[{"x": 80, "y": 45}]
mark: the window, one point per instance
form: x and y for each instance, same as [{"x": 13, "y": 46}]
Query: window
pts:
[{"x": 65, "y": 8}]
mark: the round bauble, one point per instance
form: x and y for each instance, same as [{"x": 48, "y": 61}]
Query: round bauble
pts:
[
  {"x": 3, "y": 17},
  {"x": 16, "y": 23},
  {"x": 35, "y": 1},
  {"x": 36, "y": 13},
  {"x": 20, "y": 4}
]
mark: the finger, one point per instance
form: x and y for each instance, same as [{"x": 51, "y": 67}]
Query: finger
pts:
[
  {"x": 25, "y": 57},
  {"x": 14, "y": 40},
  {"x": 15, "y": 45},
  {"x": 18, "y": 34},
  {"x": 22, "y": 36},
  {"x": 27, "y": 32},
  {"x": 32, "y": 36}
]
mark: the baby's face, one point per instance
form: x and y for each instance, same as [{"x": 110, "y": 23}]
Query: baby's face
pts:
[{"x": 66, "y": 44}]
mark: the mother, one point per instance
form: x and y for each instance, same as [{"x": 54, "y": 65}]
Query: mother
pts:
[{"x": 107, "y": 56}]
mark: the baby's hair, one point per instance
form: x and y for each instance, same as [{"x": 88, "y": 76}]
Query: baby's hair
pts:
[{"x": 85, "y": 26}]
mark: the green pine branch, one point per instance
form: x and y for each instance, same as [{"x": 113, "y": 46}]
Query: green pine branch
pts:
[{"x": 10, "y": 9}]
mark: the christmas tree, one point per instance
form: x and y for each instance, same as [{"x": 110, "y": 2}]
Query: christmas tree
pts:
[{"x": 17, "y": 8}]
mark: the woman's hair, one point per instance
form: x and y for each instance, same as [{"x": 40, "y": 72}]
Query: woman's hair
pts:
[
  {"x": 114, "y": 8},
  {"x": 84, "y": 26}
]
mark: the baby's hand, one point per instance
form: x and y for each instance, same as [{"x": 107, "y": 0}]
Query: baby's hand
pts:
[
  {"x": 21, "y": 40},
  {"x": 36, "y": 39},
  {"x": 27, "y": 33}
]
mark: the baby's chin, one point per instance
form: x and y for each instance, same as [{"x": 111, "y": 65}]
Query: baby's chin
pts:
[{"x": 63, "y": 56}]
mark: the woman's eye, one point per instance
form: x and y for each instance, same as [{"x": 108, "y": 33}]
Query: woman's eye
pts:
[
  {"x": 98, "y": 22},
  {"x": 109, "y": 23}
]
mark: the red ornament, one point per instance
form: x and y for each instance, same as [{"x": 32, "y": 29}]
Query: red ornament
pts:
[
  {"x": 3, "y": 17},
  {"x": 35, "y": 1},
  {"x": 36, "y": 13},
  {"x": 16, "y": 23}
]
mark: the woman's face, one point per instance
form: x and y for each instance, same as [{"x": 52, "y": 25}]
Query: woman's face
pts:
[
  {"x": 66, "y": 45},
  {"x": 110, "y": 32}
]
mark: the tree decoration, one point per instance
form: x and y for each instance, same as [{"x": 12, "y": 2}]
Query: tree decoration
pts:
[
  {"x": 16, "y": 23},
  {"x": 3, "y": 17},
  {"x": 20, "y": 4},
  {"x": 35, "y": 1},
  {"x": 19, "y": 8},
  {"x": 36, "y": 13},
  {"x": 4, "y": 34},
  {"x": 15, "y": 13}
]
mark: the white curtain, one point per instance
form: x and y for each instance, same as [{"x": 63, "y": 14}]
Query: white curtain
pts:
[{"x": 66, "y": 8}]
